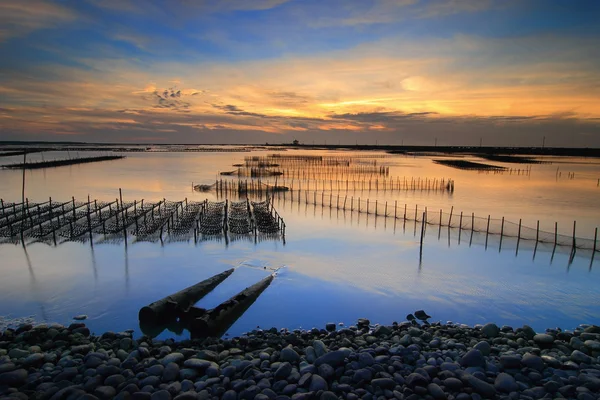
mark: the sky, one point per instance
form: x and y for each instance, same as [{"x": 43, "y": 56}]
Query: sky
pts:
[{"x": 412, "y": 72}]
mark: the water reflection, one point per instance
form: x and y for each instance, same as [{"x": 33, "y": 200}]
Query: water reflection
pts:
[{"x": 341, "y": 265}]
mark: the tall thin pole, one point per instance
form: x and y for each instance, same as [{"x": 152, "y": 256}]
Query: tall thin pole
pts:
[{"x": 23, "y": 195}]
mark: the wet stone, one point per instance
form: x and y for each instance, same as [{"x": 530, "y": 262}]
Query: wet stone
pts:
[
  {"x": 173, "y": 358},
  {"x": 14, "y": 378},
  {"x": 505, "y": 383}
]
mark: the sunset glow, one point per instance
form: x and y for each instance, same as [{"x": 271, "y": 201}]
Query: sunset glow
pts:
[{"x": 504, "y": 72}]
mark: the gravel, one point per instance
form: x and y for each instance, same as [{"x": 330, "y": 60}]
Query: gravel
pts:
[{"x": 402, "y": 361}]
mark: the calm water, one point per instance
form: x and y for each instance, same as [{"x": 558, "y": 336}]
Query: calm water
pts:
[{"x": 338, "y": 266}]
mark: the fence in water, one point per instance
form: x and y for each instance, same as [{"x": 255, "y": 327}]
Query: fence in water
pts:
[
  {"x": 257, "y": 186},
  {"x": 109, "y": 221},
  {"x": 419, "y": 213}
]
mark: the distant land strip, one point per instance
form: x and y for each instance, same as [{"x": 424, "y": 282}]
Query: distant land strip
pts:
[
  {"x": 61, "y": 163},
  {"x": 392, "y": 149}
]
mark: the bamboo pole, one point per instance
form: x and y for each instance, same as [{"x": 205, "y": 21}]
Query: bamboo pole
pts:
[{"x": 487, "y": 231}]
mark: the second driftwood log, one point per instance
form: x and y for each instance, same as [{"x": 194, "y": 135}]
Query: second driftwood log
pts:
[
  {"x": 174, "y": 305},
  {"x": 217, "y": 321}
]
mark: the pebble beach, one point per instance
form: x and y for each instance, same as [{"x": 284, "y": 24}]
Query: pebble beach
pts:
[{"x": 364, "y": 361}]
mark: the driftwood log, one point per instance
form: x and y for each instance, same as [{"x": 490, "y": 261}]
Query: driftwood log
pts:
[
  {"x": 217, "y": 321},
  {"x": 172, "y": 306}
]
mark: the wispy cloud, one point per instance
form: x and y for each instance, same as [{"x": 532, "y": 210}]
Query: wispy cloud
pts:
[
  {"x": 386, "y": 83},
  {"x": 18, "y": 18}
]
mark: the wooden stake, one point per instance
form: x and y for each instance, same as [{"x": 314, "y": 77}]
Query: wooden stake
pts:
[
  {"x": 487, "y": 231},
  {"x": 574, "y": 225}
]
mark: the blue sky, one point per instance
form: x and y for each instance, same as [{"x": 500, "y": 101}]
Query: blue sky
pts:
[{"x": 235, "y": 71}]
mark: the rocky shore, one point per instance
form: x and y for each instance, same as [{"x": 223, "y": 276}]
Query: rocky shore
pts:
[{"x": 402, "y": 361}]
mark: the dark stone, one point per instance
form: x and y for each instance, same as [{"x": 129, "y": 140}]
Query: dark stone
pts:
[
  {"x": 326, "y": 371},
  {"x": 481, "y": 387},
  {"x": 333, "y": 358},
  {"x": 543, "y": 340},
  {"x": 532, "y": 361},
  {"x": 473, "y": 358},
  {"x": 14, "y": 378},
  {"x": 318, "y": 383},
  {"x": 161, "y": 395},
  {"x": 176, "y": 358},
  {"x": 505, "y": 383},
  {"x": 415, "y": 379},
  {"x": 510, "y": 361},
  {"x": 197, "y": 363},
  {"x": 362, "y": 374},
  {"x": 188, "y": 396},
  {"x": 171, "y": 372},
  {"x": 328, "y": 396},
  {"x": 484, "y": 347},
  {"x": 365, "y": 359},
  {"x": 453, "y": 384},
  {"x": 105, "y": 392},
  {"x": 384, "y": 383},
  {"x": 67, "y": 374},
  {"x": 229, "y": 395},
  {"x": 284, "y": 370},
  {"x": 436, "y": 392},
  {"x": 141, "y": 396},
  {"x": 330, "y": 327},
  {"x": 290, "y": 355},
  {"x": 114, "y": 380}
]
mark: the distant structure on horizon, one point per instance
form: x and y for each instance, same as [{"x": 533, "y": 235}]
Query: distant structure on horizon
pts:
[{"x": 295, "y": 142}]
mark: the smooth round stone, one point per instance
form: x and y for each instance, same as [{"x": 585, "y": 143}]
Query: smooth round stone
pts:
[
  {"x": 328, "y": 396},
  {"x": 436, "y": 392},
  {"x": 290, "y": 355},
  {"x": 34, "y": 359},
  {"x": 510, "y": 361},
  {"x": 579, "y": 357},
  {"x": 543, "y": 339},
  {"x": 319, "y": 347},
  {"x": 593, "y": 345},
  {"x": 283, "y": 371},
  {"x": 155, "y": 370},
  {"x": 161, "y": 395},
  {"x": 14, "y": 378},
  {"x": 384, "y": 383},
  {"x": 484, "y": 347},
  {"x": 505, "y": 383},
  {"x": 18, "y": 353},
  {"x": 490, "y": 330},
  {"x": 365, "y": 359},
  {"x": 105, "y": 392},
  {"x": 415, "y": 379},
  {"x": 453, "y": 384},
  {"x": 318, "y": 383},
  {"x": 172, "y": 358},
  {"x": 473, "y": 358},
  {"x": 532, "y": 361}
]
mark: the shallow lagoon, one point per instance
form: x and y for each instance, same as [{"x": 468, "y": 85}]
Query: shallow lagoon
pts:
[{"x": 338, "y": 266}]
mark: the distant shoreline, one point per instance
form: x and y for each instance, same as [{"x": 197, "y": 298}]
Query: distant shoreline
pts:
[{"x": 393, "y": 149}]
